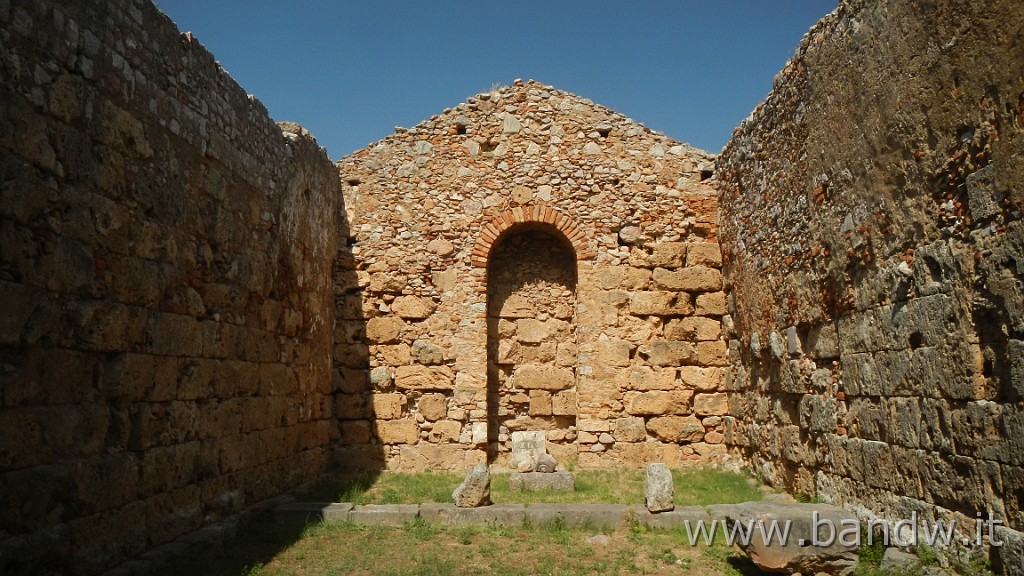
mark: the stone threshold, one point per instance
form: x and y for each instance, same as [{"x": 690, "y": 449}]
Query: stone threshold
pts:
[{"x": 505, "y": 515}]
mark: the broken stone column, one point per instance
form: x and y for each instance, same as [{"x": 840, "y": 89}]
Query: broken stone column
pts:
[
  {"x": 475, "y": 490},
  {"x": 658, "y": 489}
]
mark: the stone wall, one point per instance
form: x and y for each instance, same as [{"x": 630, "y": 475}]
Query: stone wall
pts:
[
  {"x": 593, "y": 239},
  {"x": 165, "y": 255},
  {"x": 870, "y": 226}
]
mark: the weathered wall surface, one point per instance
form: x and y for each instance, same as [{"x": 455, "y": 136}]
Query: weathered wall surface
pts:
[
  {"x": 167, "y": 306},
  {"x": 622, "y": 369},
  {"x": 870, "y": 225}
]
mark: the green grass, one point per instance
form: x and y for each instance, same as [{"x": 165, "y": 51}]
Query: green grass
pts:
[
  {"x": 693, "y": 487},
  {"x": 420, "y": 550}
]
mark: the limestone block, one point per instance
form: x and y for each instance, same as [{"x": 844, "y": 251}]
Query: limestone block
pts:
[
  {"x": 356, "y": 432},
  {"x": 694, "y": 279},
  {"x": 540, "y": 403},
  {"x": 387, "y": 406},
  {"x": 707, "y": 254},
  {"x": 564, "y": 403},
  {"x": 712, "y": 304},
  {"x": 418, "y": 377},
  {"x": 668, "y": 353},
  {"x": 445, "y": 431},
  {"x": 383, "y": 330},
  {"x": 658, "y": 488},
  {"x": 532, "y": 331},
  {"x": 404, "y": 431},
  {"x": 413, "y": 307},
  {"x": 542, "y": 377},
  {"x": 795, "y": 556},
  {"x": 702, "y": 378},
  {"x": 613, "y": 352},
  {"x": 716, "y": 404},
  {"x": 385, "y": 282},
  {"x": 635, "y": 278},
  {"x": 668, "y": 255},
  {"x": 662, "y": 303},
  {"x": 629, "y": 430},
  {"x": 647, "y": 378},
  {"x": 433, "y": 406},
  {"x": 427, "y": 353},
  {"x": 441, "y": 247},
  {"x": 712, "y": 353},
  {"x": 393, "y": 355},
  {"x": 657, "y": 403},
  {"x": 517, "y": 306},
  {"x": 475, "y": 490},
  {"x": 676, "y": 428},
  {"x": 693, "y": 329}
]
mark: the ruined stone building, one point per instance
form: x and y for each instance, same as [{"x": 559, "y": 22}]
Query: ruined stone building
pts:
[
  {"x": 529, "y": 260},
  {"x": 200, "y": 311}
]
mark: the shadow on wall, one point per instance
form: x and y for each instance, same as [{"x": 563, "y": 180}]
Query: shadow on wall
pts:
[
  {"x": 531, "y": 340},
  {"x": 356, "y": 446}
]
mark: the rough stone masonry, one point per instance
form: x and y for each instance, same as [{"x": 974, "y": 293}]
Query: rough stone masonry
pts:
[
  {"x": 529, "y": 261},
  {"x": 870, "y": 217},
  {"x": 200, "y": 311}
]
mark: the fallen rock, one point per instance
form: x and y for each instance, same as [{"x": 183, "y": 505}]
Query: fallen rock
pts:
[
  {"x": 546, "y": 463},
  {"x": 658, "y": 488},
  {"x": 475, "y": 490},
  {"x": 815, "y": 542},
  {"x": 895, "y": 560}
]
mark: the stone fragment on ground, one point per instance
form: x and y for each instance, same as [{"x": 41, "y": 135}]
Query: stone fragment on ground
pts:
[
  {"x": 814, "y": 544},
  {"x": 546, "y": 463},
  {"x": 658, "y": 489},
  {"x": 895, "y": 560},
  {"x": 475, "y": 490}
]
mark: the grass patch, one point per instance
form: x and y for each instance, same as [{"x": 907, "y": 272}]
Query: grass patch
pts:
[
  {"x": 693, "y": 487},
  {"x": 416, "y": 550}
]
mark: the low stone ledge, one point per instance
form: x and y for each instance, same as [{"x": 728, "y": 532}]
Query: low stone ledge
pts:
[
  {"x": 506, "y": 515},
  {"x": 584, "y": 515},
  {"x": 384, "y": 514},
  {"x": 313, "y": 512},
  {"x": 676, "y": 518}
]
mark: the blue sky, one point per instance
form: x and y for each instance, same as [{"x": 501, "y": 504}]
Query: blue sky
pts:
[{"x": 352, "y": 71}]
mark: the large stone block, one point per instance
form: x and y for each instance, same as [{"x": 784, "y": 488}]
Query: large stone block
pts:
[
  {"x": 647, "y": 378},
  {"x": 613, "y": 352},
  {"x": 388, "y": 406},
  {"x": 630, "y": 429},
  {"x": 703, "y": 379},
  {"x": 542, "y": 377},
  {"x": 669, "y": 353},
  {"x": 564, "y": 403},
  {"x": 423, "y": 378},
  {"x": 658, "y": 488},
  {"x": 433, "y": 406},
  {"x": 712, "y": 304},
  {"x": 384, "y": 330},
  {"x": 693, "y": 329},
  {"x": 694, "y": 279},
  {"x": 657, "y": 403},
  {"x": 413, "y": 307},
  {"x": 716, "y": 404},
  {"x": 667, "y": 255},
  {"x": 676, "y": 428},
  {"x": 404, "y": 431},
  {"x": 662, "y": 303},
  {"x": 704, "y": 254},
  {"x": 541, "y": 482}
]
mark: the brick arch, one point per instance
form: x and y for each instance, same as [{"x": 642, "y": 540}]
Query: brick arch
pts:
[{"x": 503, "y": 222}]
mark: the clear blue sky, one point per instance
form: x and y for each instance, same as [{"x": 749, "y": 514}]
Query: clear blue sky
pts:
[{"x": 352, "y": 71}]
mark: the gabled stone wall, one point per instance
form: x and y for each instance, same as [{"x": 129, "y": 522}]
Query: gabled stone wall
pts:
[
  {"x": 622, "y": 369},
  {"x": 872, "y": 237},
  {"x": 165, "y": 287}
]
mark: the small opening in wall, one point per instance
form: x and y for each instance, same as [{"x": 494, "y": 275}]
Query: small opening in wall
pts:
[
  {"x": 461, "y": 129},
  {"x": 916, "y": 340},
  {"x": 352, "y": 181},
  {"x": 615, "y": 181},
  {"x": 489, "y": 146},
  {"x": 706, "y": 174},
  {"x": 604, "y": 132}
]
